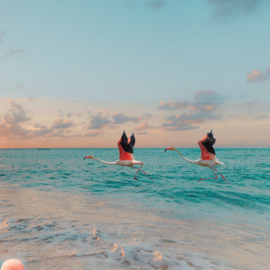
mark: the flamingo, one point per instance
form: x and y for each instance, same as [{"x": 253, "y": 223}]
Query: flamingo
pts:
[
  {"x": 126, "y": 158},
  {"x": 208, "y": 156}
]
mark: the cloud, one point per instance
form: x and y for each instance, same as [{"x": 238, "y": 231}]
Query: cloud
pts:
[
  {"x": 172, "y": 105},
  {"x": 205, "y": 107},
  {"x": 143, "y": 126},
  {"x": 177, "y": 124},
  {"x": 233, "y": 116},
  {"x": 156, "y": 4},
  {"x": 258, "y": 76},
  {"x": 99, "y": 121},
  {"x": 2, "y": 33},
  {"x": 11, "y": 126},
  {"x": 69, "y": 114},
  {"x": 15, "y": 130},
  {"x": 147, "y": 115},
  {"x": 120, "y": 118},
  {"x": 19, "y": 85},
  {"x": 39, "y": 126},
  {"x": 105, "y": 111},
  {"x": 93, "y": 133},
  {"x": 40, "y": 131},
  {"x": 206, "y": 101},
  {"x": 12, "y": 52},
  {"x": 60, "y": 113},
  {"x": 207, "y": 96},
  {"x": 15, "y": 115},
  {"x": 262, "y": 116},
  {"x": 11, "y": 120},
  {"x": 249, "y": 104},
  {"x": 62, "y": 124},
  {"x": 229, "y": 8},
  {"x": 111, "y": 126}
]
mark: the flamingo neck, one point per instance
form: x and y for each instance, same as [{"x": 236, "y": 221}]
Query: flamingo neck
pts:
[
  {"x": 188, "y": 160},
  {"x": 105, "y": 162}
]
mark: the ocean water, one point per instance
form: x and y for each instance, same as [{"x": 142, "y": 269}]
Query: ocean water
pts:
[{"x": 58, "y": 211}]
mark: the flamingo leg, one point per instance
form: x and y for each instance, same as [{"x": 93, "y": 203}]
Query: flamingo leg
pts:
[
  {"x": 139, "y": 169},
  {"x": 209, "y": 178},
  {"x": 221, "y": 175}
]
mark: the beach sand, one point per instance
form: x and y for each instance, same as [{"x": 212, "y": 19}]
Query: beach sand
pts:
[{"x": 62, "y": 230}]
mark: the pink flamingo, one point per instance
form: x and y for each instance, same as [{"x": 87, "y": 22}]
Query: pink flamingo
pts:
[
  {"x": 126, "y": 158},
  {"x": 208, "y": 156}
]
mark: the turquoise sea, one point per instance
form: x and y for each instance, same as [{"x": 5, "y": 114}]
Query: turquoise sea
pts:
[{"x": 59, "y": 211}]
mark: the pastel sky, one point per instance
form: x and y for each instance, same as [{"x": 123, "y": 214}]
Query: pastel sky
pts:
[{"x": 78, "y": 73}]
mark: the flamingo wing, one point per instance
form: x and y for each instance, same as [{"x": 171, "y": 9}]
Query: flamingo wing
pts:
[
  {"x": 125, "y": 147},
  {"x": 206, "y": 145}
]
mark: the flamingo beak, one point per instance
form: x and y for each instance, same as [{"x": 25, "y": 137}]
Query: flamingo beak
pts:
[
  {"x": 169, "y": 148},
  {"x": 86, "y": 157}
]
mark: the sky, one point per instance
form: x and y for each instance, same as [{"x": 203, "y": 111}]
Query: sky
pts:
[{"x": 78, "y": 73}]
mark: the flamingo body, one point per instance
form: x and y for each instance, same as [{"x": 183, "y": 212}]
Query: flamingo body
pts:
[
  {"x": 208, "y": 155},
  {"x": 208, "y": 163},
  {"x": 128, "y": 163}
]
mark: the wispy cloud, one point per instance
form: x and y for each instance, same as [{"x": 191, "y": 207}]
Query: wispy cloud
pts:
[
  {"x": 143, "y": 126},
  {"x": 93, "y": 133},
  {"x": 69, "y": 114},
  {"x": 11, "y": 125},
  {"x": 172, "y": 105},
  {"x": 262, "y": 116},
  {"x": 120, "y": 118},
  {"x": 99, "y": 121},
  {"x": 205, "y": 107},
  {"x": 228, "y": 8},
  {"x": 2, "y": 33},
  {"x": 147, "y": 115},
  {"x": 258, "y": 76},
  {"x": 156, "y": 4},
  {"x": 249, "y": 104},
  {"x": 11, "y": 121},
  {"x": 15, "y": 114},
  {"x": 176, "y": 123},
  {"x": 62, "y": 124},
  {"x": 40, "y": 131},
  {"x": 19, "y": 85},
  {"x": 102, "y": 120},
  {"x": 27, "y": 123},
  {"x": 12, "y": 52}
]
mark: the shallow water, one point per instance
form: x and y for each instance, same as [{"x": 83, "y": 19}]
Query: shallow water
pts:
[{"x": 58, "y": 211}]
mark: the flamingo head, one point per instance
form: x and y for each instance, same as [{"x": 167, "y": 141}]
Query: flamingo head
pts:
[
  {"x": 91, "y": 157},
  {"x": 169, "y": 148}
]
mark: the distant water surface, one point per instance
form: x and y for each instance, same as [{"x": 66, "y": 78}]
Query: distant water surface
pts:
[{"x": 58, "y": 211}]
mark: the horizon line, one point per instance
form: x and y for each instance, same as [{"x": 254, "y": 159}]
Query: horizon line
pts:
[{"x": 46, "y": 148}]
